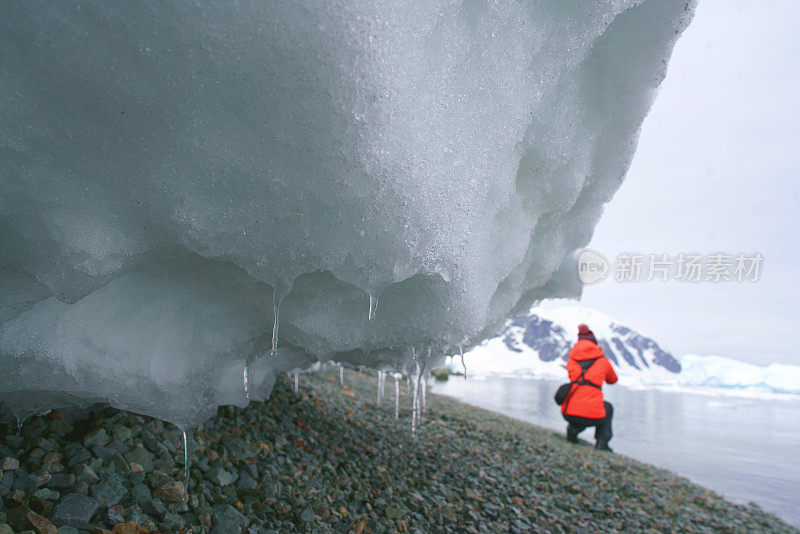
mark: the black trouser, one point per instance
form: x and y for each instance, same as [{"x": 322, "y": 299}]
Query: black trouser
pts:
[{"x": 602, "y": 427}]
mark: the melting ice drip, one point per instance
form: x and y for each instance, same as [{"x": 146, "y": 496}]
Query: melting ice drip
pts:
[
  {"x": 381, "y": 383},
  {"x": 396, "y": 396},
  {"x": 418, "y": 394}
]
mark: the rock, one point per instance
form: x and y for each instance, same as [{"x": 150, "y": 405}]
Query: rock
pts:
[
  {"x": 81, "y": 456},
  {"x": 61, "y": 481},
  {"x": 226, "y": 526},
  {"x": 27, "y": 484},
  {"x": 393, "y": 512},
  {"x": 97, "y": 436},
  {"x": 246, "y": 481},
  {"x": 5, "y": 529},
  {"x": 141, "y": 494},
  {"x": 170, "y": 492},
  {"x": 74, "y": 510},
  {"x": 154, "y": 506},
  {"x": 68, "y": 530},
  {"x": 15, "y": 442},
  {"x": 129, "y": 528},
  {"x": 84, "y": 473},
  {"x": 102, "y": 452},
  {"x": 41, "y": 506},
  {"x": 172, "y": 521},
  {"x": 46, "y": 445},
  {"x": 226, "y": 512},
  {"x": 9, "y": 464},
  {"x": 112, "y": 517},
  {"x": 121, "y": 466},
  {"x": 219, "y": 476},
  {"x": 141, "y": 456},
  {"x": 120, "y": 433},
  {"x": 40, "y": 524},
  {"x": 135, "y": 468},
  {"x": 136, "y": 477},
  {"x": 6, "y": 482},
  {"x": 47, "y": 494},
  {"x": 307, "y": 515},
  {"x": 109, "y": 491}
]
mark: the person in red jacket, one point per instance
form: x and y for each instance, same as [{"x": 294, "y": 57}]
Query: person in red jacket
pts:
[{"x": 584, "y": 406}]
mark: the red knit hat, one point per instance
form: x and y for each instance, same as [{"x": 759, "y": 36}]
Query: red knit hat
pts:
[{"x": 585, "y": 333}]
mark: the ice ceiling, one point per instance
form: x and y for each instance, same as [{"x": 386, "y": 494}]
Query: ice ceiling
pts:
[{"x": 384, "y": 177}]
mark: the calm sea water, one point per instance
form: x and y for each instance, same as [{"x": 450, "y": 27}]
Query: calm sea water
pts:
[{"x": 746, "y": 449}]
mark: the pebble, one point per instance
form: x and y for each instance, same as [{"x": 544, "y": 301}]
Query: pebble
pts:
[
  {"x": 84, "y": 473},
  {"x": 219, "y": 476},
  {"x": 74, "y": 510},
  {"x": 171, "y": 491},
  {"x": 40, "y": 524},
  {"x": 112, "y": 517},
  {"x": 109, "y": 491},
  {"x": 9, "y": 464},
  {"x": 97, "y": 436},
  {"x": 47, "y": 494},
  {"x": 140, "y": 456},
  {"x": 61, "y": 481}
]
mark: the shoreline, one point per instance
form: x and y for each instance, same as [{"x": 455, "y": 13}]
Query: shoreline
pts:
[{"x": 327, "y": 459}]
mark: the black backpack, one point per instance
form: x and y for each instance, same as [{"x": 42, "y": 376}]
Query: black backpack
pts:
[{"x": 565, "y": 391}]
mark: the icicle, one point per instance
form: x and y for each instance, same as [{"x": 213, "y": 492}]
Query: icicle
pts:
[
  {"x": 373, "y": 305},
  {"x": 246, "y": 379},
  {"x": 341, "y": 375},
  {"x": 381, "y": 382},
  {"x": 20, "y": 420},
  {"x": 279, "y": 292},
  {"x": 296, "y": 381},
  {"x": 424, "y": 393},
  {"x": 461, "y": 351},
  {"x": 396, "y": 397},
  {"x": 276, "y": 309},
  {"x": 187, "y": 462},
  {"x": 415, "y": 404}
]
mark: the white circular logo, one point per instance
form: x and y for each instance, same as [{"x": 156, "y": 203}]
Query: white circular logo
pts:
[{"x": 592, "y": 267}]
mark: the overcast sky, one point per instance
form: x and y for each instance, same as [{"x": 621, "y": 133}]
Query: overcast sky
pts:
[{"x": 717, "y": 170}]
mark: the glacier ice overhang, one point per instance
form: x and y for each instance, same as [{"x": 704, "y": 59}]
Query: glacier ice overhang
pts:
[{"x": 166, "y": 167}]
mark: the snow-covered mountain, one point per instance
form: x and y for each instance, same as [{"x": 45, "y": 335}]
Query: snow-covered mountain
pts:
[{"x": 539, "y": 343}]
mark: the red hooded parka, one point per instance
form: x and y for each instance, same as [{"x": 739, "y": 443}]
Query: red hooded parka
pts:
[{"x": 587, "y": 401}]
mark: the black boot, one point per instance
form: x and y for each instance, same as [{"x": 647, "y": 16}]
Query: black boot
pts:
[
  {"x": 602, "y": 445},
  {"x": 572, "y": 434}
]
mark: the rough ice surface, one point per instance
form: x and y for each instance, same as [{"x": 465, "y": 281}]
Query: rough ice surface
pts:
[{"x": 394, "y": 177}]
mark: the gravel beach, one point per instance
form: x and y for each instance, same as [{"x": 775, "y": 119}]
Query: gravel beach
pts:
[{"x": 328, "y": 459}]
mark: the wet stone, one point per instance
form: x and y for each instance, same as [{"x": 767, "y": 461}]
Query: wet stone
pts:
[
  {"x": 109, "y": 491},
  {"x": 74, "y": 510},
  {"x": 219, "y": 476},
  {"x": 120, "y": 432},
  {"x": 245, "y": 480},
  {"x": 103, "y": 452},
  {"x": 47, "y": 494},
  {"x": 140, "y": 456},
  {"x": 112, "y": 517},
  {"x": 61, "y": 481},
  {"x": 14, "y": 441},
  {"x": 141, "y": 494},
  {"x": 9, "y": 464},
  {"x": 84, "y": 473},
  {"x": 97, "y": 436},
  {"x": 171, "y": 491}
]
